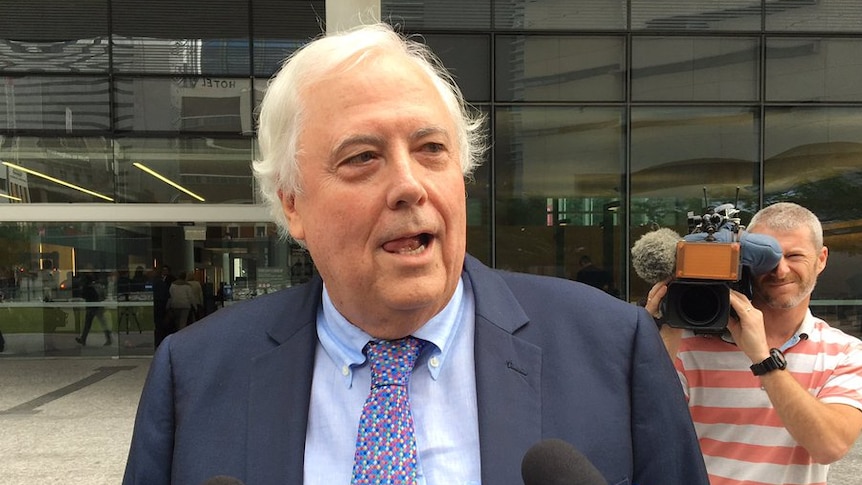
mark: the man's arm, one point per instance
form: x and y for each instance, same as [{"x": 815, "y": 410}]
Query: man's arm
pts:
[
  {"x": 826, "y": 431},
  {"x": 152, "y": 448},
  {"x": 666, "y": 448}
]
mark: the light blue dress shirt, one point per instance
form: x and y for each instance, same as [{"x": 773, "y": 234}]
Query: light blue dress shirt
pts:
[{"x": 442, "y": 396}]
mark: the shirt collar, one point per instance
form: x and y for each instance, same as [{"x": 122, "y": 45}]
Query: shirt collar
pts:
[{"x": 343, "y": 342}]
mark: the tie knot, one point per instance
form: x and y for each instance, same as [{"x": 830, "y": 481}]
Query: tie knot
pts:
[{"x": 392, "y": 360}]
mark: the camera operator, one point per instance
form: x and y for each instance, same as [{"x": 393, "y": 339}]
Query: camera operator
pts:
[{"x": 798, "y": 407}]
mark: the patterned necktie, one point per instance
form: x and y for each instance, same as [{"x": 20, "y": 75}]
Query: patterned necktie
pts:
[{"x": 385, "y": 445}]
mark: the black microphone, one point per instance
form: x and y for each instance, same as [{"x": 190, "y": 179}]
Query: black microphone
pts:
[
  {"x": 555, "y": 462},
  {"x": 222, "y": 480}
]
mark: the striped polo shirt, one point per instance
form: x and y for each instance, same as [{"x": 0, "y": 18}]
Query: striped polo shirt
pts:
[{"x": 741, "y": 436}]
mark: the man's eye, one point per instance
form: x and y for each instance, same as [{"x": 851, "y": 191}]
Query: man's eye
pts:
[
  {"x": 363, "y": 157},
  {"x": 434, "y": 147}
]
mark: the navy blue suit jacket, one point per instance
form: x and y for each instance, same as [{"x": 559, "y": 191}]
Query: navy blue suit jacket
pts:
[{"x": 554, "y": 359}]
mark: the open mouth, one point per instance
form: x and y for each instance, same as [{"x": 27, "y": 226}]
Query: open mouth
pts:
[{"x": 409, "y": 245}]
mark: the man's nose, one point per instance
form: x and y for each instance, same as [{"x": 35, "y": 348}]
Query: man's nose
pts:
[{"x": 407, "y": 186}]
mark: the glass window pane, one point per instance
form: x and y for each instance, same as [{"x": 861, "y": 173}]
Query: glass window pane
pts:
[
  {"x": 677, "y": 153},
  {"x": 280, "y": 27},
  {"x": 68, "y": 169},
  {"x": 467, "y": 57},
  {"x": 67, "y": 104},
  {"x": 808, "y": 69},
  {"x": 700, "y": 15},
  {"x": 423, "y": 15},
  {"x": 680, "y": 153},
  {"x": 558, "y": 179},
  {"x": 811, "y": 15},
  {"x": 555, "y": 68},
  {"x": 190, "y": 104},
  {"x": 560, "y": 15},
  {"x": 694, "y": 69},
  {"x": 78, "y": 55},
  {"x": 167, "y": 37},
  {"x": 814, "y": 158},
  {"x": 479, "y": 222},
  {"x": 54, "y": 36},
  {"x": 44, "y": 268},
  {"x": 186, "y": 170}
]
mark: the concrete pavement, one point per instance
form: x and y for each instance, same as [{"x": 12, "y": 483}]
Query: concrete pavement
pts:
[{"x": 68, "y": 421}]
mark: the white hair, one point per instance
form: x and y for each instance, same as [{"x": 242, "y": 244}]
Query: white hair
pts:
[{"x": 282, "y": 109}]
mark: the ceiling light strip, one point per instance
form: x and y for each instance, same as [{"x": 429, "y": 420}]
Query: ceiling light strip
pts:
[
  {"x": 57, "y": 181},
  {"x": 167, "y": 180}
]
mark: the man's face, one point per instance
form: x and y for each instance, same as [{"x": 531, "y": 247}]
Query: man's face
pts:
[
  {"x": 382, "y": 207},
  {"x": 792, "y": 282}
]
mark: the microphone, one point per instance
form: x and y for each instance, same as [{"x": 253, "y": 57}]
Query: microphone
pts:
[
  {"x": 654, "y": 255},
  {"x": 222, "y": 480},
  {"x": 555, "y": 462}
]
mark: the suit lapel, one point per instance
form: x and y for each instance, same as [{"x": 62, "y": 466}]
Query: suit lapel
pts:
[
  {"x": 280, "y": 392},
  {"x": 508, "y": 378}
]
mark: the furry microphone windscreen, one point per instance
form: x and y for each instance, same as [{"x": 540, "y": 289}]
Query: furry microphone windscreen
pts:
[{"x": 654, "y": 255}]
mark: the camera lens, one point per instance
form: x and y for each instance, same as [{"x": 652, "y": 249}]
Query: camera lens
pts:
[{"x": 700, "y": 305}]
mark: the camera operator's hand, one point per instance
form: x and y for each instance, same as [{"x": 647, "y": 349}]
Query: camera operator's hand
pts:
[
  {"x": 670, "y": 335},
  {"x": 654, "y": 297},
  {"x": 747, "y": 328}
]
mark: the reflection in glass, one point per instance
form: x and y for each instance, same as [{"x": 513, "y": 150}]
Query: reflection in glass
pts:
[
  {"x": 48, "y": 169},
  {"x": 194, "y": 104},
  {"x": 479, "y": 222},
  {"x": 217, "y": 170},
  {"x": 87, "y": 55},
  {"x": 685, "y": 159},
  {"x": 811, "y": 15},
  {"x": 694, "y": 69},
  {"x": 559, "y": 15},
  {"x": 200, "y": 38},
  {"x": 555, "y": 68},
  {"x": 467, "y": 57},
  {"x": 44, "y": 268},
  {"x": 421, "y": 15},
  {"x": 697, "y": 15},
  {"x": 810, "y": 69},
  {"x": 558, "y": 188},
  {"x": 814, "y": 158},
  {"x": 68, "y": 104}
]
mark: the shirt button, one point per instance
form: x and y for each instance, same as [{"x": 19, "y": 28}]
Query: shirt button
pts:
[
  {"x": 434, "y": 361},
  {"x": 345, "y": 370}
]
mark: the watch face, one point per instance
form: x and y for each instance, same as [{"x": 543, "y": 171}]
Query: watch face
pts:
[{"x": 778, "y": 358}]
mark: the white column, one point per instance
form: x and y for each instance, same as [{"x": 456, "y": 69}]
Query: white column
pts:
[{"x": 343, "y": 14}]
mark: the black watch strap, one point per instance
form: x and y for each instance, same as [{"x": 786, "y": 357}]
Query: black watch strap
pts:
[{"x": 775, "y": 361}]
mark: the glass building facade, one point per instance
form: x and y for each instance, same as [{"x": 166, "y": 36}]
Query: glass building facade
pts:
[{"x": 127, "y": 130}]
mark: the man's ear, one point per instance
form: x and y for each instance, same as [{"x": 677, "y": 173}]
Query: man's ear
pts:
[{"x": 294, "y": 219}]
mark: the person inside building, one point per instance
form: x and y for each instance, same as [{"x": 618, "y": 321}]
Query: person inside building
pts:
[
  {"x": 365, "y": 146},
  {"x": 778, "y": 397},
  {"x": 590, "y": 274}
]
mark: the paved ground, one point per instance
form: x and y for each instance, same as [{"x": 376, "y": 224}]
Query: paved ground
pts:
[{"x": 68, "y": 421}]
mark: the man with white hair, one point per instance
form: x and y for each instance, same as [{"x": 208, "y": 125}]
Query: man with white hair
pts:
[{"x": 366, "y": 143}]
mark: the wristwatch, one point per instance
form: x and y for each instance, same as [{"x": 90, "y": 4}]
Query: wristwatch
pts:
[{"x": 775, "y": 361}]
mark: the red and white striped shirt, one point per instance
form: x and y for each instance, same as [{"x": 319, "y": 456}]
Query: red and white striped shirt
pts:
[{"x": 741, "y": 436}]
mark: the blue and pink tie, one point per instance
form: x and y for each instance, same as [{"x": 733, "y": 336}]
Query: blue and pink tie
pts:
[{"x": 385, "y": 444}]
